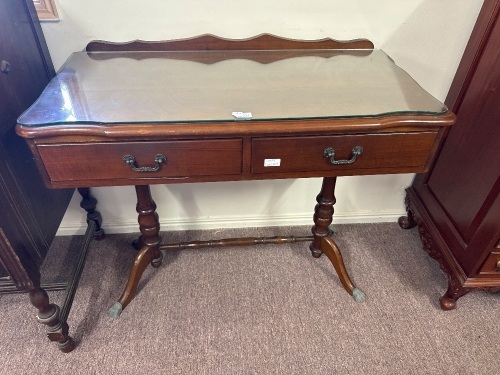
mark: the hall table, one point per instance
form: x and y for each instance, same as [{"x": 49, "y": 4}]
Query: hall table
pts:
[{"x": 212, "y": 109}]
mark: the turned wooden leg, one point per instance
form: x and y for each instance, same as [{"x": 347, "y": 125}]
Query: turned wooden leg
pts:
[
  {"x": 150, "y": 250},
  {"x": 323, "y": 215},
  {"x": 89, "y": 204},
  {"x": 48, "y": 314},
  {"x": 149, "y": 224},
  {"x": 323, "y": 243},
  {"x": 408, "y": 221}
]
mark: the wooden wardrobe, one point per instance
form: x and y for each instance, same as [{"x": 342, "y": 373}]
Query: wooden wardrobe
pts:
[
  {"x": 456, "y": 204},
  {"x": 30, "y": 213}
]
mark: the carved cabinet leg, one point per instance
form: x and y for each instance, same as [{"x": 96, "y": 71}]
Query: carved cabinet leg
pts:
[
  {"x": 149, "y": 253},
  {"x": 455, "y": 290},
  {"x": 48, "y": 314},
  {"x": 89, "y": 204},
  {"x": 408, "y": 221},
  {"x": 455, "y": 287}
]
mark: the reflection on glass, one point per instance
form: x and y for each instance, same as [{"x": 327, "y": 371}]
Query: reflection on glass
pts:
[
  {"x": 135, "y": 87},
  {"x": 67, "y": 108}
]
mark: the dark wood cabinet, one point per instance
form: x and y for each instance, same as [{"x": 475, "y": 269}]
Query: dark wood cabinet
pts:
[
  {"x": 31, "y": 213},
  {"x": 456, "y": 203}
]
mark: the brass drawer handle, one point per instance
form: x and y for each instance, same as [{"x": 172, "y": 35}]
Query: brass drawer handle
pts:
[
  {"x": 498, "y": 264},
  {"x": 330, "y": 153},
  {"x": 159, "y": 160}
]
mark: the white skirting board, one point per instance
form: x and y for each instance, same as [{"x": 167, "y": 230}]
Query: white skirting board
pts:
[{"x": 78, "y": 228}]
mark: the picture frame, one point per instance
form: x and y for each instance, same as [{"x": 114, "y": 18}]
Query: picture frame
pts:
[{"x": 46, "y": 10}]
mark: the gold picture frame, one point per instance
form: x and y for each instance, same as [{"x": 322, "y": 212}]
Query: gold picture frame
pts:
[{"x": 46, "y": 10}]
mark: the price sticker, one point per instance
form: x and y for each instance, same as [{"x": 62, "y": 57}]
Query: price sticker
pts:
[
  {"x": 242, "y": 115},
  {"x": 272, "y": 162}
]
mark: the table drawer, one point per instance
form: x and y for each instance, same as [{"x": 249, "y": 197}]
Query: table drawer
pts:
[
  {"x": 301, "y": 154},
  {"x": 104, "y": 161}
]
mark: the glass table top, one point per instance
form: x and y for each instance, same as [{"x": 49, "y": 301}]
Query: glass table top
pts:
[{"x": 205, "y": 86}]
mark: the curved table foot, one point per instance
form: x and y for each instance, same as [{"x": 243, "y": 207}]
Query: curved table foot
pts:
[
  {"x": 142, "y": 260},
  {"x": 138, "y": 245},
  {"x": 315, "y": 253},
  {"x": 156, "y": 262},
  {"x": 331, "y": 250}
]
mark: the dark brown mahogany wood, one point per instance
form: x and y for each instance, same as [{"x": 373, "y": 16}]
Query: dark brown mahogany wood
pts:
[
  {"x": 249, "y": 48},
  {"x": 394, "y": 144},
  {"x": 239, "y": 241},
  {"x": 148, "y": 244},
  {"x": 323, "y": 214},
  {"x": 456, "y": 204},
  {"x": 209, "y": 42},
  {"x": 89, "y": 204},
  {"x": 379, "y": 124},
  {"x": 48, "y": 314}
]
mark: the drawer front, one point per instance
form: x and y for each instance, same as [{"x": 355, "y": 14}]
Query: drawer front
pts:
[
  {"x": 302, "y": 154},
  {"x": 492, "y": 265},
  {"x": 104, "y": 161}
]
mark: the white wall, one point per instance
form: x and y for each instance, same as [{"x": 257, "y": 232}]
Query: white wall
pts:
[{"x": 425, "y": 37}]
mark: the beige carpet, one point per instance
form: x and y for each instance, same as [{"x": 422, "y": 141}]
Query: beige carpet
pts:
[{"x": 260, "y": 310}]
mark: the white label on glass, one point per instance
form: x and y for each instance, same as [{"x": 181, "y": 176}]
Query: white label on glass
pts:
[
  {"x": 242, "y": 115},
  {"x": 272, "y": 162}
]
